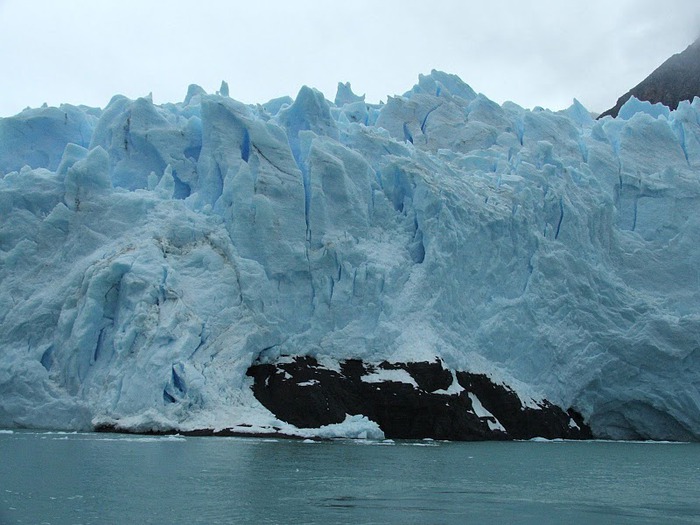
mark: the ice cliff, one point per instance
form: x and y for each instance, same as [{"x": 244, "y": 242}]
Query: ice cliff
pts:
[{"x": 149, "y": 254}]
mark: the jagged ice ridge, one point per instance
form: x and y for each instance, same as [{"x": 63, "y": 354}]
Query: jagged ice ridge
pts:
[{"x": 149, "y": 254}]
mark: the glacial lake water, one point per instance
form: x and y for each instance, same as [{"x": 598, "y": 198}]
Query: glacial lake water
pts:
[{"x": 59, "y": 478}]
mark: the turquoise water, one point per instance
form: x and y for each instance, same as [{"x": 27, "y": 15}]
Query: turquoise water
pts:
[{"x": 56, "y": 478}]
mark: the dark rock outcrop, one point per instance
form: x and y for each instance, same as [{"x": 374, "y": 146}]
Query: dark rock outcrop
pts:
[
  {"x": 407, "y": 401},
  {"x": 675, "y": 80}
]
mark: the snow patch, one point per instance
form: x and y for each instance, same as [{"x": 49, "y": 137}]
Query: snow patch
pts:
[
  {"x": 328, "y": 363},
  {"x": 383, "y": 376},
  {"x": 454, "y": 389},
  {"x": 482, "y": 413}
]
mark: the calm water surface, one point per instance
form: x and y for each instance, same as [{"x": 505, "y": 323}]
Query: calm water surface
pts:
[{"x": 56, "y": 478}]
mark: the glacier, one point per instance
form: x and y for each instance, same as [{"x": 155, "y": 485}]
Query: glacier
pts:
[{"x": 150, "y": 254}]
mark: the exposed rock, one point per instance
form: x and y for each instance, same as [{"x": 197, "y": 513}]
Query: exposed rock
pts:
[
  {"x": 407, "y": 401},
  {"x": 675, "y": 80}
]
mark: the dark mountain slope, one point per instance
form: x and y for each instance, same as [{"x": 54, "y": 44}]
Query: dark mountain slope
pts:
[{"x": 676, "y": 79}]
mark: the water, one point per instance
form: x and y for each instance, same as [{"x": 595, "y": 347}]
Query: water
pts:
[{"x": 57, "y": 478}]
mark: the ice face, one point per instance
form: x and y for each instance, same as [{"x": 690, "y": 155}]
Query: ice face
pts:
[
  {"x": 37, "y": 137},
  {"x": 149, "y": 254},
  {"x": 634, "y": 106}
]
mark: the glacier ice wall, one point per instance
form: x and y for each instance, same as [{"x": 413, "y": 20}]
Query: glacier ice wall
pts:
[{"x": 150, "y": 253}]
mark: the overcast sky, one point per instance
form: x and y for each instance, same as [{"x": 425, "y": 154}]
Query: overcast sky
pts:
[{"x": 531, "y": 52}]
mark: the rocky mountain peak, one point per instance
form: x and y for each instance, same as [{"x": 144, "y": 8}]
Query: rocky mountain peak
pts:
[{"x": 677, "y": 79}]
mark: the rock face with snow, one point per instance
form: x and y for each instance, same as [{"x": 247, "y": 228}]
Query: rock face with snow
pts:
[
  {"x": 407, "y": 400},
  {"x": 150, "y": 255}
]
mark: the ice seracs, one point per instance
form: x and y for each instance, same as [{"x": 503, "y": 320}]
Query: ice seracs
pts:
[{"x": 150, "y": 254}]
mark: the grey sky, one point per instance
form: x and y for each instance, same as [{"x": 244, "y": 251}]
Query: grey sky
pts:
[{"x": 534, "y": 53}]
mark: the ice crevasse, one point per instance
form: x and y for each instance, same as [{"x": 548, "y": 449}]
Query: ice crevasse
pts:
[{"x": 149, "y": 254}]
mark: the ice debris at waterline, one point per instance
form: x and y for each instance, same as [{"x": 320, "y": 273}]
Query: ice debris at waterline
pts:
[{"x": 150, "y": 254}]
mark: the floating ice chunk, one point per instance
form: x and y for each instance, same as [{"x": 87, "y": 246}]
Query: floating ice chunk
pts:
[{"x": 353, "y": 427}]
